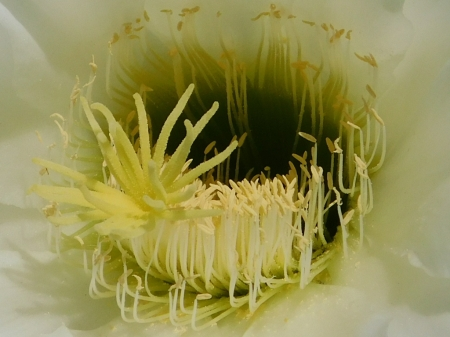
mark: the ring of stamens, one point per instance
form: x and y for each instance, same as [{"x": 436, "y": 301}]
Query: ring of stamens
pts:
[{"x": 193, "y": 245}]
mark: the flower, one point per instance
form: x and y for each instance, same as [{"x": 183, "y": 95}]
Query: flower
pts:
[{"x": 355, "y": 285}]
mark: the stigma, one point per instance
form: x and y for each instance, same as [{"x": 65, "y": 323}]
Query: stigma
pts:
[{"x": 215, "y": 183}]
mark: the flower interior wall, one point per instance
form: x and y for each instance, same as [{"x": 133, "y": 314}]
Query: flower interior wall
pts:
[{"x": 215, "y": 182}]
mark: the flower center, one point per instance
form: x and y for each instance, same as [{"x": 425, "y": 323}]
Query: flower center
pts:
[{"x": 193, "y": 218}]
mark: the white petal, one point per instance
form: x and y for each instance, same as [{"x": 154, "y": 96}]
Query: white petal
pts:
[
  {"x": 69, "y": 32},
  {"x": 412, "y": 190},
  {"x": 30, "y": 86},
  {"x": 29, "y": 92},
  {"x": 39, "y": 291},
  {"x": 62, "y": 331},
  {"x": 340, "y": 310},
  {"x": 409, "y": 324},
  {"x": 20, "y": 312},
  {"x": 17, "y": 172}
]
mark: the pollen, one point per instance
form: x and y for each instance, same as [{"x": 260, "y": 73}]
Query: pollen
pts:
[{"x": 211, "y": 182}]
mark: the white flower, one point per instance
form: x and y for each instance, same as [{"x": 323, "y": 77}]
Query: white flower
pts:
[{"x": 395, "y": 286}]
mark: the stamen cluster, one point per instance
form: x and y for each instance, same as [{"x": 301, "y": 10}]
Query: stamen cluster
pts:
[{"x": 193, "y": 245}]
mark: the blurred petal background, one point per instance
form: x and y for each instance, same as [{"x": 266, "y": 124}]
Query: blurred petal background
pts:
[{"x": 398, "y": 285}]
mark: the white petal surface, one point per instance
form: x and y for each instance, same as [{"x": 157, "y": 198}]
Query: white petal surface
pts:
[
  {"x": 39, "y": 291},
  {"x": 412, "y": 189},
  {"x": 30, "y": 91},
  {"x": 408, "y": 324}
]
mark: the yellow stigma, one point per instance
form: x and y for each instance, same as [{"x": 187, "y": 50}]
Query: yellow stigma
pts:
[
  {"x": 190, "y": 222},
  {"x": 146, "y": 188}
]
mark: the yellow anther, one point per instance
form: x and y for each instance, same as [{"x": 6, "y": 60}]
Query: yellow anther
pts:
[
  {"x": 114, "y": 38},
  {"x": 128, "y": 28},
  {"x": 50, "y": 209},
  {"x": 348, "y": 217},
  {"x": 360, "y": 162},
  {"x": 299, "y": 158},
  {"x": 43, "y": 171},
  {"x": 370, "y": 59},
  {"x": 209, "y": 147},
  {"x": 307, "y": 136},
  {"x": 146, "y": 17},
  {"x": 348, "y": 36},
  {"x": 371, "y": 91},
  {"x": 242, "y": 139},
  {"x": 260, "y": 15},
  {"x": 311, "y": 23},
  {"x": 330, "y": 145}
]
